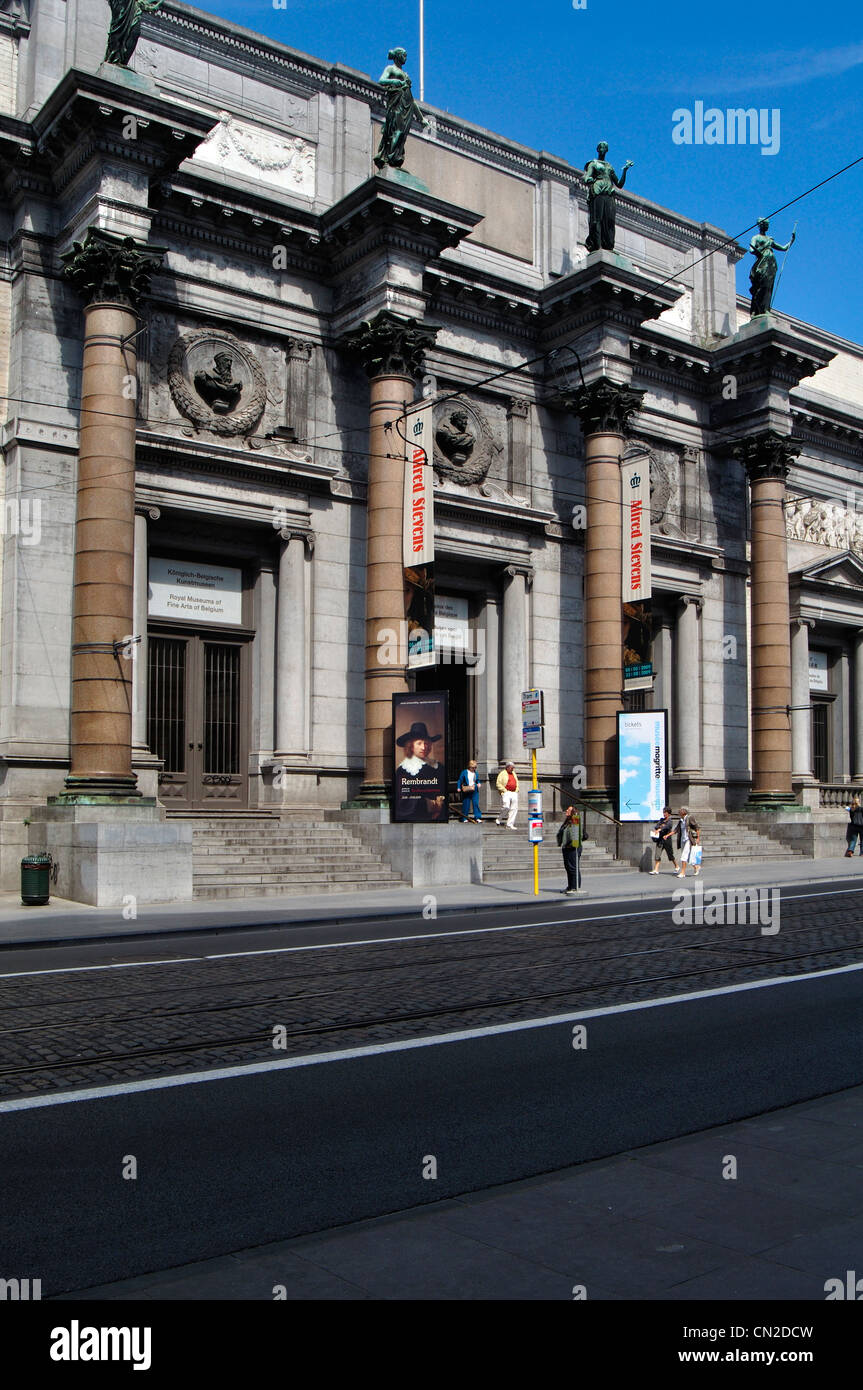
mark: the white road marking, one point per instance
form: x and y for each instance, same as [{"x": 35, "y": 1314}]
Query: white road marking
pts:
[
  {"x": 377, "y": 1049},
  {"x": 382, "y": 940}
]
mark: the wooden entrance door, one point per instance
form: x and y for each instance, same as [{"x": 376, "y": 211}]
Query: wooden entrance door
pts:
[{"x": 197, "y": 720}]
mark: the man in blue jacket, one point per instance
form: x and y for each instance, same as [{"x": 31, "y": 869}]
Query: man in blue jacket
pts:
[{"x": 468, "y": 787}]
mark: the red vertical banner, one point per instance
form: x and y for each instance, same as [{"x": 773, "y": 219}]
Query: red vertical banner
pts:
[
  {"x": 636, "y": 595},
  {"x": 418, "y": 539}
]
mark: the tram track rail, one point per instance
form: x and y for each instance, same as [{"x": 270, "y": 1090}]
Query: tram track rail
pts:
[{"x": 512, "y": 956}]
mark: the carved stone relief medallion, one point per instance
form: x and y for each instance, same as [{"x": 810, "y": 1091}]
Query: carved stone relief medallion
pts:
[
  {"x": 217, "y": 383},
  {"x": 463, "y": 443}
]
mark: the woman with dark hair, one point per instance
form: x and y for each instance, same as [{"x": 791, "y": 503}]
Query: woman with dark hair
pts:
[
  {"x": 854, "y": 828},
  {"x": 663, "y": 841}
]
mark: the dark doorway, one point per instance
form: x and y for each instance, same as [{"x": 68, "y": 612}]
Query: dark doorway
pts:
[
  {"x": 821, "y": 741},
  {"x": 455, "y": 680},
  {"x": 197, "y": 715}
]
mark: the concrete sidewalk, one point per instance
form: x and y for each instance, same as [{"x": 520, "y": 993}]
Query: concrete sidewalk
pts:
[
  {"x": 663, "y": 1222},
  {"x": 63, "y": 921}
]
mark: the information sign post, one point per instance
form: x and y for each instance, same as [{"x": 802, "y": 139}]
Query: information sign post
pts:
[{"x": 533, "y": 737}]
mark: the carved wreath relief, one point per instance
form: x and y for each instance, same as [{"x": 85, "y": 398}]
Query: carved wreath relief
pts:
[
  {"x": 463, "y": 443},
  {"x": 217, "y": 383}
]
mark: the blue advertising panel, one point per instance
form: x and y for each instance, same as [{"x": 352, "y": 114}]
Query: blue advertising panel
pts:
[{"x": 642, "y": 764}]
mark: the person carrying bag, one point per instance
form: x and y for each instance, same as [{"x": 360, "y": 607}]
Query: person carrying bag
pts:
[{"x": 569, "y": 841}]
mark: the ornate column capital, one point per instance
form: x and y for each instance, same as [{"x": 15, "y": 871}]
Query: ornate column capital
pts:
[
  {"x": 605, "y": 407},
  {"x": 518, "y": 407},
  {"x": 105, "y": 267},
  {"x": 148, "y": 510},
  {"x": 390, "y": 344},
  {"x": 524, "y": 571},
  {"x": 292, "y": 533},
  {"x": 691, "y": 600},
  {"x": 766, "y": 455},
  {"x": 804, "y": 622}
]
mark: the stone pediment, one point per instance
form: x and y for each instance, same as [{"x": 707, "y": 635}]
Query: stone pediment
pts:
[{"x": 845, "y": 569}]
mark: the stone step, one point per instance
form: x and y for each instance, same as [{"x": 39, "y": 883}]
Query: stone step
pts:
[
  {"x": 269, "y": 857},
  {"x": 320, "y": 883},
  {"x": 271, "y": 890}
]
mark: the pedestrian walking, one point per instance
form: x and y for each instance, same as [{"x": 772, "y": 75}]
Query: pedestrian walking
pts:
[
  {"x": 569, "y": 840},
  {"x": 683, "y": 840},
  {"x": 662, "y": 837},
  {"x": 507, "y": 785},
  {"x": 690, "y": 845},
  {"x": 854, "y": 828},
  {"x": 695, "y": 858},
  {"x": 468, "y": 788}
]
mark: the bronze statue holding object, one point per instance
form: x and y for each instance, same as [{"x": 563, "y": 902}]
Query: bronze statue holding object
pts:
[
  {"x": 601, "y": 182},
  {"x": 763, "y": 273},
  {"x": 402, "y": 110}
]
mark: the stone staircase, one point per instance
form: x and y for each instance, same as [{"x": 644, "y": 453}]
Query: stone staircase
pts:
[
  {"x": 736, "y": 839},
  {"x": 508, "y": 855},
  {"x": 259, "y": 855}
]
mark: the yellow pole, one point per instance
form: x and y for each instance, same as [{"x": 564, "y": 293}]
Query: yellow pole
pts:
[{"x": 536, "y": 847}]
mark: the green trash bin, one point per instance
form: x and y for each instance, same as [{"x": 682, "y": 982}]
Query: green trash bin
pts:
[{"x": 36, "y": 880}]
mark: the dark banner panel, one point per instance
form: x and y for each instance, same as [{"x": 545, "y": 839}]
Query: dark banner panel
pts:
[{"x": 420, "y": 757}]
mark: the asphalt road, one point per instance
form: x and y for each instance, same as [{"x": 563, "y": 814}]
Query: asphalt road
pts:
[{"x": 286, "y": 1145}]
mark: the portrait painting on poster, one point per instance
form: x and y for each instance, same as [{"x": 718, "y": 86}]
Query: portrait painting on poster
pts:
[{"x": 420, "y": 757}]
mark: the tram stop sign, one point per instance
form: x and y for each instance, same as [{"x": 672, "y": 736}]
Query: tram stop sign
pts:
[{"x": 532, "y": 719}]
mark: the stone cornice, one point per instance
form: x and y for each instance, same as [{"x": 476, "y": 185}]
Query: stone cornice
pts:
[
  {"x": 477, "y": 509},
  {"x": 829, "y": 428},
  {"x": 172, "y": 454},
  {"x": 768, "y": 347},
  {"x": 484, "y": 301},
  {"x": 87, "y": 114},
  {"x": 196, "y": 210},
  {"x": 761, "y": 365},
  {"x": 195, "y": 32},
  {"x": 665, "y": 360},
  {"x": 605, "y": 288},
  {"x": 381, "y": 211}
]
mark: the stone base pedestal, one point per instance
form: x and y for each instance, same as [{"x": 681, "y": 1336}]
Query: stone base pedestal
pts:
[
  {"x": 122, "y": 856},
  {"x": 372, "y": 796},
  {"x": 426, "y": 856},
  {"x": 772, "y": 801}
]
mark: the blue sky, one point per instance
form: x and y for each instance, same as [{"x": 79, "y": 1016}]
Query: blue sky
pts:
[{"x": 559, "y": 79}]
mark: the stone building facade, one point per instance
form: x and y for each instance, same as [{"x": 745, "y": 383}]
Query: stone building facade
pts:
[{"x": 250, "y": 166}]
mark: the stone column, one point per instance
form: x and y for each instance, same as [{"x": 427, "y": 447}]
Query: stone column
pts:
[
  {"x": 801, "y": 705},
  {"x": 687, "y": 688},
  {"x": 113, "y": 272},
  {"x": 291, "y": 645},
  {"x": 858, "y": 706},
  {"x": 767, "y": 457},
  {"x": 664, "y": 667},
  {"x": 518, "y": 418},
  {"x": 391, "y": 349},
  {"x": 605, "y": 409},
  {"x": 514, "y": 651},
  {"x": 842, "y": 718},
  {"x": 139, "y": 629}
]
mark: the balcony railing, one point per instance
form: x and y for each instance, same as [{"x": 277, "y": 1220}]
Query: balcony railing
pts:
[{"x": 837, "y": 793}]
